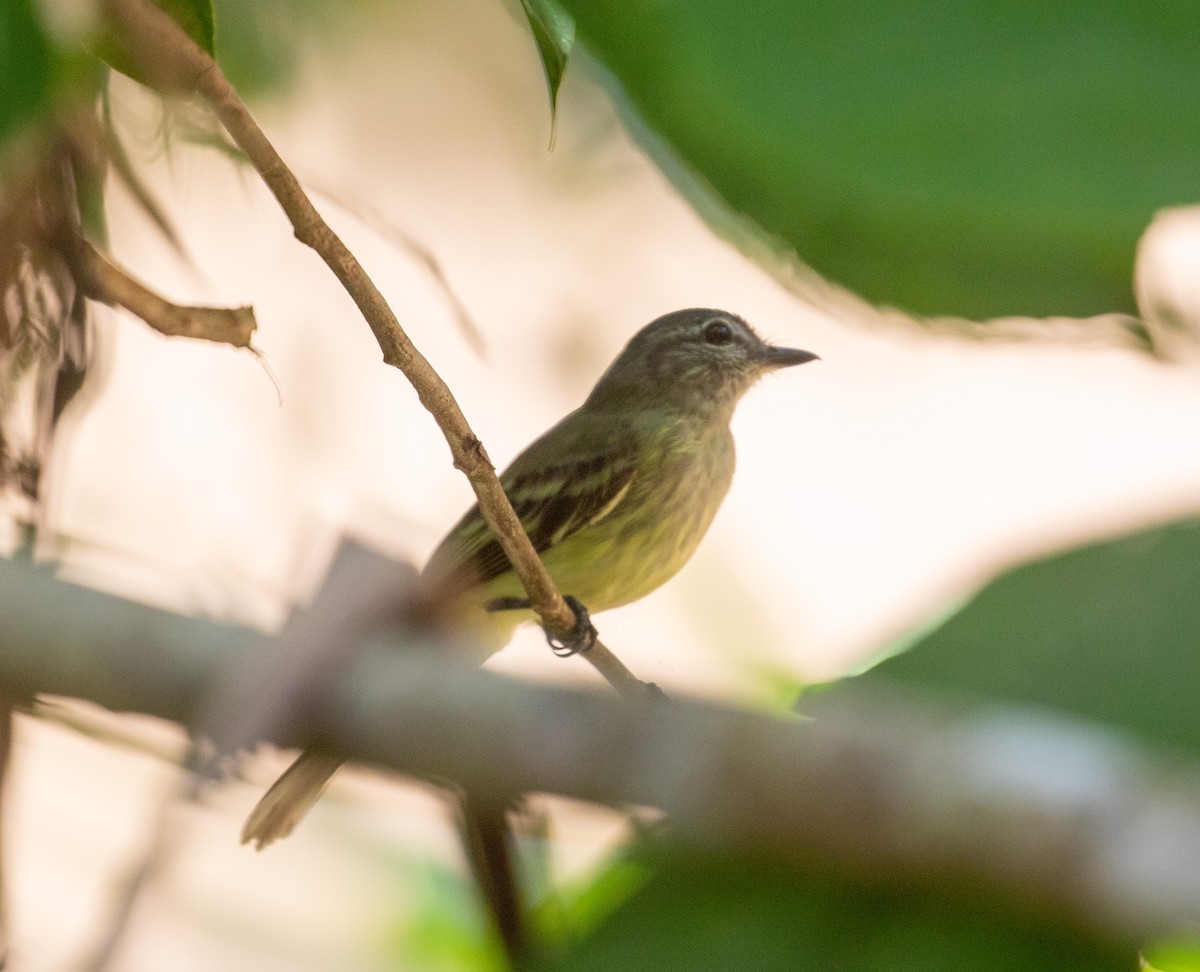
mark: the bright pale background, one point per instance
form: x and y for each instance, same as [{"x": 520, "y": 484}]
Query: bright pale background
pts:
[{"x": 875, "y": 488}]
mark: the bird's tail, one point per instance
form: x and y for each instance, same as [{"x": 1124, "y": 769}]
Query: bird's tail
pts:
[
  {"x": 291, "y": 796},
  {"x": 484, "y": 828}
]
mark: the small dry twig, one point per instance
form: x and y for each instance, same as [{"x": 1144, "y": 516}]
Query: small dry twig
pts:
[{"x": 104, "y": 281}]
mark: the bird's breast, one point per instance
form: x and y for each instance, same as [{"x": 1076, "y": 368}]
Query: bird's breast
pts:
[{"x": 647, "y": 537}]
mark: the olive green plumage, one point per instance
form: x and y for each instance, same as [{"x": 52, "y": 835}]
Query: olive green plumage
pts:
[{"x": 618, "y": 494}]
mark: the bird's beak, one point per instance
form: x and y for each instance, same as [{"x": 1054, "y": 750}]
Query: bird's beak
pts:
[{"x": 772, "y": 357}]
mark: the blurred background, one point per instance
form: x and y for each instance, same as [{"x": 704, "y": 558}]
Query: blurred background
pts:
[{"x": 876, "y": 491}]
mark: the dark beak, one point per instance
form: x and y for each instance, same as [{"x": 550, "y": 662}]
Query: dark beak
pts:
[{"x": 785, "y": 357}]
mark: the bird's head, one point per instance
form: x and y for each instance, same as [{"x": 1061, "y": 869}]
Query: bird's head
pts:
[{"x": 697, "y": 360}]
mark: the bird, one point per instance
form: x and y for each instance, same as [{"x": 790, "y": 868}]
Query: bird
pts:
[{"x": 615, "y": 498}]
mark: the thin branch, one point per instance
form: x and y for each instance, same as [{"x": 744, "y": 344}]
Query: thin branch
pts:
[
  {"x": 104, "y": 281},
  {"x": 156, "y": 856},
  {"x": 879, "y": 787},
  {"x": 172, "y": 60},
  {"x": 118, "y": 158}
]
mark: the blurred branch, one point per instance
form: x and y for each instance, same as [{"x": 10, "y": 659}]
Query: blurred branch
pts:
[
  {"x": 169, "y": 58},
  {"x": 118, "y": 158},
  {"x": 104, "y": 281},
  {"x": 6, "y": 751},
  {"x": 1028, "y": 814},
  {"x": 158, "y": 852},
  {"x": 372, "y": 217}
]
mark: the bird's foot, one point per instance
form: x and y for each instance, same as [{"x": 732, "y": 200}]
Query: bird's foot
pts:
[{"x": 580, "y": 638}]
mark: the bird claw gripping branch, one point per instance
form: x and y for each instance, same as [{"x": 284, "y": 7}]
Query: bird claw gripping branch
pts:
[{"x": 582, "y": 636}]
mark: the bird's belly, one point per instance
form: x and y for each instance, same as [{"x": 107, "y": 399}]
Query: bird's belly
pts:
[{"x": 641, "y": 545}]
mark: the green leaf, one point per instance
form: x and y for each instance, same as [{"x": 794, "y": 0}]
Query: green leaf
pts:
[
  {"x": 712, "y": 915},
  {"x": 1109, "y": 632},
  {"x": 194, "y": 16},
  {"x": 554, "y": 30},
  {"x": 28, "y": 66},
  {"x": 260, "y": 41},
  {"x": 1174, "y": 956},
  {"x": 442, "y": 924},
  {"x": 978, "y": 159}
]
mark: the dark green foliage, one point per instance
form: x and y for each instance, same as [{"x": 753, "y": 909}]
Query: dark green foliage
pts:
[
  {"x": 1109, "y": 632},
  {"x": 554, "y": 31},
  {"x": 975, "y": 159},
  {"x": 755, "y": 916},
  {"x": 28, "y": 66}
]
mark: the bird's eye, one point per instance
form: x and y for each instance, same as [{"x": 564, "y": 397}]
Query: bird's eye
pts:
[{"x": 718, "y": 333}]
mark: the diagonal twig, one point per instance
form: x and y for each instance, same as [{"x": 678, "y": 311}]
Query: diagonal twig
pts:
[
  {"x": 169, "y": 58},
  {"x": 103, "y": 280}
]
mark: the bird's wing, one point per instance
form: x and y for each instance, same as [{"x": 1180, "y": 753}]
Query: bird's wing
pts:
[{"x": 573, "y": 476}]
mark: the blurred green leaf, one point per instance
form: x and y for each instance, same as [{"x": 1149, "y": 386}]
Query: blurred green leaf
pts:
[
  {"x": 1109, "y": 632},
  {"x": 447, "y": 928},
  {"x": 261, "y": 41},
  {"x": 585, "y": 904},
  {"x": 27, "y": 66},
  {"x": 718, "y": 915},
  {"x": 1181, "y": 956},
  {"x": 554, "y": 31},
  {"x": 976, "y": 159}
]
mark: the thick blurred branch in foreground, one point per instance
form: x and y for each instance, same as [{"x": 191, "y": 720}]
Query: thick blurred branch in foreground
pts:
[{"x": 999, "y": 807}]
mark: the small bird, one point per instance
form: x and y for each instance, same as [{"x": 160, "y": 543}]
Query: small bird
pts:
[{"x": 615, "y": 499}]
